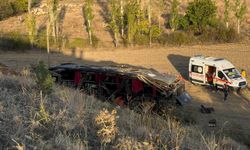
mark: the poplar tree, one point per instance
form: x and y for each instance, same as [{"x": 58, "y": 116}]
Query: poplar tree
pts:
[
  {"x": 122, "y": 17},
  {"x": 53, "y": 18},
  {"x": 88, "y": 15},
  {"x": 113, "y": 8},
  {"x": 31, "y": 25},
  {"x": 240, "y": 9},
  {"x": 226, "y": 12},
  {"x": 150, "y": 22},
  {"x": 131, "y": 9},
  {"x": 48, "y": 29},
  {"x": 174, "y": 18}
]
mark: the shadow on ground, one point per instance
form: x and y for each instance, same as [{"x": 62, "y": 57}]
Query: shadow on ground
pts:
[{"x": 181, "y": 63}]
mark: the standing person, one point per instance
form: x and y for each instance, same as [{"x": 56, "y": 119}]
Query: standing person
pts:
[
  {"x": 225, "y": 91},
  {"x": 214, "y": 82},
  {"x": 243, "y": 73}
]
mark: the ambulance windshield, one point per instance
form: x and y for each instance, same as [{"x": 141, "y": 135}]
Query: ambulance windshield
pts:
[{"x": 232, "y": 73}]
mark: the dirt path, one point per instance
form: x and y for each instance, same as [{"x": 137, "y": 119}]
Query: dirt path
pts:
[{"x": 232, "y": 115}]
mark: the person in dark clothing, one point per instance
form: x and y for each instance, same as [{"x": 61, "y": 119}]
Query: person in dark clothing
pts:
[{"x": 225, "y": 91}]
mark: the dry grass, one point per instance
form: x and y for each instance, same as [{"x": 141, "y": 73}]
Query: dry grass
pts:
[{"x": 68, "y": 119}]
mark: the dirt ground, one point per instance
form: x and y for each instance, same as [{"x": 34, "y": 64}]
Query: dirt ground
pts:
[{"x": 233, "y": 116}]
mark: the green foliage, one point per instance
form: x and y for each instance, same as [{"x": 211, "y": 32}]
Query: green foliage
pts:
[
  {"x": 88, "y": 16},
  {"x": 114, "y": 17},
  {"x": 12, "y": 7},
  {"x": 240, "y": 9},
  {"x": 41, "y": 39},
  {"x": 31, "y": 25},
  {"x": 131, "y": 16},
  {"x": 156, "y": 32},
  {"x": 141, "y": 39},
  {"x": 174, "y": 15},
  {"x": 184, "y": 23},
  {"x": 6, "y": 9},
  {"x": 177, "y": 38},
  {"x": 226, "y": 11},
  {"x": 200, "y": 13},
  {"x": 77, "y": 42},
  {"x": 14, "y": 41},
  {"x": 221, "y": 34},
  {"x": 95, "y": 41},
  {"x": 19, "y": 5},
  {"x": 43, "y": 78}
]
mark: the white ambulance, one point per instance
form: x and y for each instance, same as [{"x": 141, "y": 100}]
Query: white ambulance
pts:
[{"x": 215, "y": 71}]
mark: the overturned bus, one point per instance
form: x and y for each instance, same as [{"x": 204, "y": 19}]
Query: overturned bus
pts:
[{"x": 125, "y": 85}]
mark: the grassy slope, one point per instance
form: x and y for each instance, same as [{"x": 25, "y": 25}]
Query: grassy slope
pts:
[{"x": 68, "y": 122}]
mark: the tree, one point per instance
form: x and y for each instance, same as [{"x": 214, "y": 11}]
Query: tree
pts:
[
  {"x": 226, "y": 12},
  {"x": 31, "y": 24},
  {"x": 122, "y": 17},
  {"x": 88, "y": 15},
  {"x": 52, "y": 6},
  {"x": 174, "y": 15},
  {"x": 150, "y": 22},
  {"x": 113, "y": 8},
  {"x": 131, "y": 16},
  {"x": 6, "y": 9},
  {"x": 240, "y": 9},
  {"x": 160, "y": 5},
  {"x": 200, "y": 13}
]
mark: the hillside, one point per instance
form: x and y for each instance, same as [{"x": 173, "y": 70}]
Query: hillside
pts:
[
  {"x": 68, "y": 119},
  {"x": 73, "y": 21}
]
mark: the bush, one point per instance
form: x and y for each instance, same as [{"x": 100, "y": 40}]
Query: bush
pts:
[
  {"x": 41, "y": 41},
  {"x": 177, "y": 38},
  {"x": 95, "y": 41},
  {"x": 14, "y": 41},
  {"x": 77, "y": 42},
  {"x": 43, "y": 78},
  {"x": 141, "y": 39},
  {"x": 19, "y": 6},
  {"x": 5, "y": 9},
  {"x": 219, "y": 35},
  {"x": 200, "y": 14},
  {"x": 12, "y": 7}
]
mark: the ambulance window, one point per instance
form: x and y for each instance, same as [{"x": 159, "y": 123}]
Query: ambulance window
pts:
[
  {"x": 221, "y": 75},
  {"x": 197, "y": 69}
]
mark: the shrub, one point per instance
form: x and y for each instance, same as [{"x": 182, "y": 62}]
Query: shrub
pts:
[
  {"x": 14, "y": 41},
  {"x": 19, "y": 5},
  {"x": 156, "y": 32},
  {"x": 43, "y": 77},
  {"x": 219, "y": 34},
  {"x": 95, "y": 41},
  {"x": 177, "y": 38},
  {"x": 12, "y": 7},
  {"x": 41, "y": 41},
  {"x": 141, "y": 39},
  {"x": 77, "y": 42},
  {"x": 5, "y": 9}
]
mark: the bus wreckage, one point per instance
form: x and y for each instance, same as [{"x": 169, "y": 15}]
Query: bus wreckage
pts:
[{"x": 124, "y": 85}]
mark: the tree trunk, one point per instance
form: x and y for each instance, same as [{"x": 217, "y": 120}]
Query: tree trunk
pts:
[
  {"x": 90, "y": 33},
  {"x": 238, "y": 26},
  {"x": 122, "y": 20},
  {"x": 149, "y": 22},
  {"x": 48, "y": 44},
  {"x": 115, "y": 39},
  {"x": 29, "y": 6},
  {"x": 159, "y": 22},
  {"x": 227, "y": 25}
]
